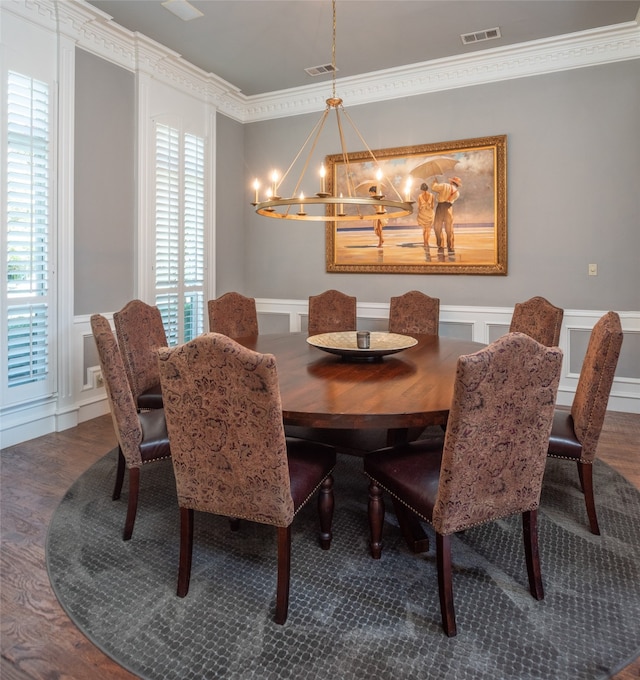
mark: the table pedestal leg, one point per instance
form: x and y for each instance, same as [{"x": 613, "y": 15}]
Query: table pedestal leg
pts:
[
  {"x": 410, "y": 526},
  {"x": 411, "y": 529},
  {"x": 397, "y": 436}
]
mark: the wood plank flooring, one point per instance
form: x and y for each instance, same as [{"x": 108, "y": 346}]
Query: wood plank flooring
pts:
[{"x": 38, "y": 640}]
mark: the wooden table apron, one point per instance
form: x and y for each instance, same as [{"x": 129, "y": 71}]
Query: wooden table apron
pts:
[{"x": 410, "y": 389}]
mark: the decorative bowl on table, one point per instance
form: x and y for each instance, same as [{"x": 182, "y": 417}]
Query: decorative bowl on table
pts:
[{"x": 345, "y": 345}]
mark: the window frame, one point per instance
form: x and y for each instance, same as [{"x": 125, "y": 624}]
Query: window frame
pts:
[
  {"x": 173, "y": 296},
  {"x": 39, "y": 265}
]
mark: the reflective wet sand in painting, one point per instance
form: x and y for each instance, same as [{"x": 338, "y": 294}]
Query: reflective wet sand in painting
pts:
[{"x": 405, "y": 246}]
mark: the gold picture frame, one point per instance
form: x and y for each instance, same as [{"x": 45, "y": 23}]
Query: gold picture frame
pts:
[{"x": 479, "y": 211}]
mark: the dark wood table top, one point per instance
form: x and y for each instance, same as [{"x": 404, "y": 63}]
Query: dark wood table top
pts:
[{"x": 410, "y": 389}]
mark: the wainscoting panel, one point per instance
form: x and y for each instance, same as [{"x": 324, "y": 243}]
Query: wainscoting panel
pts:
[
  {"x": 480, "y": 324},
  {"x": 486, "y": 324}
]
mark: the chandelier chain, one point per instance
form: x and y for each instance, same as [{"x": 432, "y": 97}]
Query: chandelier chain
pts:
[{"x": 333, "y": 50}]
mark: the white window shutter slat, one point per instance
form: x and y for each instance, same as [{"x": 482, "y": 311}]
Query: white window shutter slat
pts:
[
  {"x": 179, "y": 232},
  {"x": 26, "y": 302}
]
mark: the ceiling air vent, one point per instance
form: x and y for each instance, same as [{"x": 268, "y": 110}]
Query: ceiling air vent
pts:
[
  {"x": 319, "y": 70},
  {"x": 480, "y": 36},
  {"x": 182, "y": 9}
]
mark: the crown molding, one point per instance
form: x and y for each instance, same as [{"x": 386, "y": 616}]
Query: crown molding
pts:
[
  {"x": 96, "y": 32},
  {"x": 577, "y": 50},
  {"x": 43, "y": 14},
  {"x": 91, "y": 30}
]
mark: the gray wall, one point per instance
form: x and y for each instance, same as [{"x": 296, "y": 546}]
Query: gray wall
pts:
[
  {"x": 573, "y": 174},
  {"x": 230, "y": 194},
  {"x": 104, "y": 226}
]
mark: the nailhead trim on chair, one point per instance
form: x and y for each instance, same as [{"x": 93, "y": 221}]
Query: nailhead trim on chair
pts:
[
  {"x": 259, "y": 521},
  {"x": 469, "y": 526},
  {"x": 578, "y": 460},
  {"x": 306, "y": 500},
  {"x": 153, "y": 460}
]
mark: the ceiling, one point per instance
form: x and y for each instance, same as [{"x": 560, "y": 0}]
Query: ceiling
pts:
[{"x": 262, "y": 46}]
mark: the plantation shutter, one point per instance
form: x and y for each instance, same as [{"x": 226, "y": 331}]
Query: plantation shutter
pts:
[
  {"x": 27, "y": 303},
  {"x": 179, "y": 256}
]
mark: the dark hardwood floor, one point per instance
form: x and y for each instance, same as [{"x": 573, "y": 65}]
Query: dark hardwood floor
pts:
[{"x": 38, "y": 639}]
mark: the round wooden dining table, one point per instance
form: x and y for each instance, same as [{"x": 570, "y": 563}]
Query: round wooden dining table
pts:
[
  {"x": 399, "y": 392},
  {"x": 412, "y": 388}
]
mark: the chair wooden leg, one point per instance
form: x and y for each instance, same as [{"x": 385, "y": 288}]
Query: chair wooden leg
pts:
[
  {"x": 186, "y": 550},
  {"x": 532, "y": 555},
  {"x": 376, "y": 519},
  {"x": 580, "y": 475},
  {"x": 132, "y": 506},
  {"x": 325, "y": 511},
  {"x": 117, "y": 489},
  {"x": 445, "y": 584},
  {"x": 585, "y": 471},
  {"x": 284, "y": 573}
]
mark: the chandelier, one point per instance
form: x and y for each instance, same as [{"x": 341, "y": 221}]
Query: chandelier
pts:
[{"x": 325, "y": 206}]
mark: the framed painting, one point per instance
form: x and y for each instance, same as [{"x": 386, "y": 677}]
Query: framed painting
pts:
[{"x": 459, "y": 221}]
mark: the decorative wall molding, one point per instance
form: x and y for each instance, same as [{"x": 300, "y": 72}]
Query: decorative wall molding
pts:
[
  {"x": 485, "y": 324},
  {"x": 578, "y": 50},
  {"x": 92, "y": 30},
  {"x": 39, "y": 12},
  {"x": 480, "y": 324},
  {"x": 95, "y": 32},
  {"x": 65, "y": 146}
]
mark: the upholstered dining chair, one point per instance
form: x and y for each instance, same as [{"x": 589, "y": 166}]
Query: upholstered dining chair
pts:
[
  {"x": 142, "y": 436},
  {"x": 140, "y": 333},
  {"x": 331, "y": 311},
  {"x": 539, "y": 319},
  {"x": 230, "y": 454},
  {"x": 575, "y": 433},
  {"x": 490, "y": 463},
  {"x": 414, "y": 312},
  {"x": 234, "y": 315}
]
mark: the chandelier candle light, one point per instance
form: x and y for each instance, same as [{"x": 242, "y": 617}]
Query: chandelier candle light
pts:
[{"x": 325, "y": 206}]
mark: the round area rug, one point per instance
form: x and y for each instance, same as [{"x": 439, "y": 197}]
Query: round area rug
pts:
[{"x": 350, "y": 617}]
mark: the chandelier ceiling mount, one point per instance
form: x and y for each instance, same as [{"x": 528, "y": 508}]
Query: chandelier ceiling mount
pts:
[{"x": 325, "y": 205}]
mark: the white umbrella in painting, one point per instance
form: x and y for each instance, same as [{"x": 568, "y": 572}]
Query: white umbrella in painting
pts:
[
  {"x": 362, "y": 189},
  {"x": 434, "y": 166}
]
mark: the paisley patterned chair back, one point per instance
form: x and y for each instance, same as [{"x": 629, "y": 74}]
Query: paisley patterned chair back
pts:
[
  {"x": 414, "y": 312},
  {"x": 491, "y": 462},
  {"x": 575, "y": 433},
  {"x": 539, "y": 319},
  {"x": 142, "y": 437},
  {"x": 234, "y": 315},
  {"x": 497, "y": 435},
  {"x": 230, "y": 454},
  {"x": 330, "y": 312},
  {"x": 140, "y": 334}
]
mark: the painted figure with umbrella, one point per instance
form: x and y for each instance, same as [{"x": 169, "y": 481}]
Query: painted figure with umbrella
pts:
[
  {"x": 426, "y": 212},
  {"x": 440, "y": 165},
  {"x": 378, "y": 222},
  {"x": 446, "y": 192},
  {"x": 374, "y": 191}
]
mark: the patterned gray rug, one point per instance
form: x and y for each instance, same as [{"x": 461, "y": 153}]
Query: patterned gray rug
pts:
[{"x": 350, "y": 617}]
